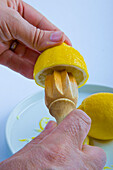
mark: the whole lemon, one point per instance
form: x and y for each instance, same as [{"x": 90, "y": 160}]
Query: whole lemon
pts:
[{"x": 99, "y": 107}]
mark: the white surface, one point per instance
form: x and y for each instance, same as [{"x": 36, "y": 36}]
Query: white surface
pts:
[
  {"x": 30, "y": 112},
  {"x": 34, "y": 106},
  {"x": 89, "y": 25}
]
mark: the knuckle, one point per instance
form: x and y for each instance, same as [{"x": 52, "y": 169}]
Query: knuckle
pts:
[
  {"x": 83, "y": 116},
  {"x": 63, "y": 37},
  {"x": 8, "y": 22},
  {"x": 5, "y": 31},
  {"x": 11, "y": 13},
  {"x": 14, "y": 4},
  {"x": 56, "y": 154},
  {"x": 4, "y": 28},
  {"x": 78, "y": 123},
  {"x": 37, "y": 38},
  {"x": 45, "y": 157}
]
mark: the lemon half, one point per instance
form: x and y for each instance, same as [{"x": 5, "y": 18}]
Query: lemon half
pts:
[{"x": 62, "y": 57}]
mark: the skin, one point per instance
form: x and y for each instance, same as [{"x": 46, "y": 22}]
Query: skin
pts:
[
  {"x": 16, "y": 16},
  {"x": 67, "y": 152},
  {"x": 44, "y": 152}
]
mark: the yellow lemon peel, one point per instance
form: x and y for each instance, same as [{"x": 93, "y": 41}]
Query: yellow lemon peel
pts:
[
  {"x": 25, "y": 140},
  {"x": 107, "y": 167},
  {"x": 22, "y": 140},
  {"x": 43, "y": 122},
  {"x": 38, "y": 130},
  {"x": 86, "y": 141},
  {"x": 32, "y": 137},
  {"x": 99, "y": 107},
  {"x": 61, "y": 57},
  {"x": 18, "y": 117}
]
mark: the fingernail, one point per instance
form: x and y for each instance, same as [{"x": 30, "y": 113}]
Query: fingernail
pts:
[
  {"x": 50, "y": 125},
  {"x": 56, "y": 36}
]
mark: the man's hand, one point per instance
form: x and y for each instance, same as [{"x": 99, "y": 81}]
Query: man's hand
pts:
[
  {"x": 34, "y": 33},
  {"x": 60, "y": 147}
]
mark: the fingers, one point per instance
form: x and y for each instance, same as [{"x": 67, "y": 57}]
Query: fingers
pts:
[
  {"x": 22, "y": 60},
  {"x": 4, "y": 47},
  {"x": 73, "y": 129},
  {"x": 96, "y": 156},
  {"x": 20, "y": 65},
  {"x": 31, "y": 36},
  {"x": 37, "y": 19},
  {"x": 26, "y": 54}
]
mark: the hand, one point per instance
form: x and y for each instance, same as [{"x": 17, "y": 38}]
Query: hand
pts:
[
  {"x": 34, "y": 33},
  {"x": 60, "y": 147}
]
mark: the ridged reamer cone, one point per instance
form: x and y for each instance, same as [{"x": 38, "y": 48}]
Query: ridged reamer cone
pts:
[{"x": 61, "y": 94}]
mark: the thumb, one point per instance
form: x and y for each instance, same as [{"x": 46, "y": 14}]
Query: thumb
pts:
[
  {"x": 33, "y": 37},
  {"x": 74, "y": 129}
]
